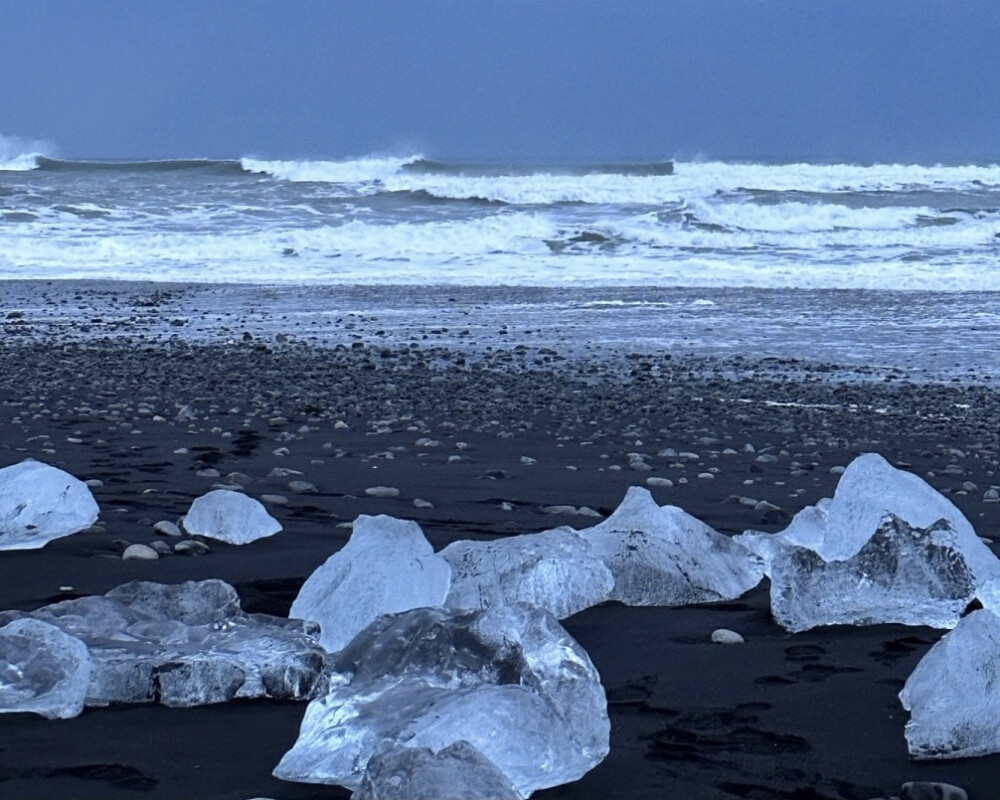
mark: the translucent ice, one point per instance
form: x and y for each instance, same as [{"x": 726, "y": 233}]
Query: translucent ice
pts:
[
  {"x": 903, "y": 574},
  {"x": 662, "y": 556},
  {"x": 458, "y": 772},
  {"x": 185, "y": 645},
  {"x": 555, "y": 570},
  {"x": 42, "y": 669},
  {"x": 953, "y": 695},
  {"x": 230, "y": 516},
  {"x": 387, "y": 566},
  {"x": 869, "y": 489},
  {"x": 508, "y": 680},
  {"x": 39, "y": 503}
]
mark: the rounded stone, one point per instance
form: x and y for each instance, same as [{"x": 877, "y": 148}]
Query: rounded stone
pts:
[
  {"x": 140, "y": 552},
  {"x": 726, "y": 636}
]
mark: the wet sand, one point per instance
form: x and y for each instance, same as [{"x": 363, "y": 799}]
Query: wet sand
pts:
[{"x": 159, "y": 415}]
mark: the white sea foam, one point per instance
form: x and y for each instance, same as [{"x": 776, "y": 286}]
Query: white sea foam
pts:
[{"x": 353, "y": 171}]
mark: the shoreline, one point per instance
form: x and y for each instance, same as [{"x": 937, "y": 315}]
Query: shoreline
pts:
[{"x": 779, "y": 716}]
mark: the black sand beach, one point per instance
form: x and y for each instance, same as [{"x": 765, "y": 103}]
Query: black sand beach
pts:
[{"x": 120, "y": 386}]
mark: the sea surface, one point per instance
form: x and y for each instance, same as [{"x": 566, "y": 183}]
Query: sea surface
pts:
[
  {"x": 416, "y": 221},
  {"x": 892, "y": 265}
]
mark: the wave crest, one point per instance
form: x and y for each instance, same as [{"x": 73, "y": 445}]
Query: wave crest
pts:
[
  {"x": 353, "y": 171},
  {"x": 19, "y": 155}
]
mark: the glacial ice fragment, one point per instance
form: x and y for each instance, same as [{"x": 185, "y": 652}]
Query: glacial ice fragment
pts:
[
  {"x": 230, "y": 516},
  {"x": 953, "y": 695},
  {"x": 39, "y": 503},
  {"x": 903, "y": 574},
  {"x": 869, "y": 489},
  {"x": 385, "y": 567},
  {"x": 457, "y": 772},
  {"x": 662, "y": 556},
  {"x": 184, "y": 645},
  {"x": 42, "y": 670},
  {"x": 508, "y": 680},
  {"x": 555, "y": 570}
]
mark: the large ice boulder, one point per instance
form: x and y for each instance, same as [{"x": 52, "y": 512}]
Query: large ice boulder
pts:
[
  {"x": 230, "y": 516},
  {"x": 870, "y": 488},
  {"x": 902, "y": 574},
  {"x": 953, "y": 695},
  {"x": 556, "y": 570},
  {"x": 184, "y": 645},
  {"x": 42, "y": 669},
  {"x": 508, "y": 680},
  {"x": 39, "y": 503},
  {"x": 458, "y": 772},
  {"x": 662, "y": 556},
  {"x": 387, "y": 566}
]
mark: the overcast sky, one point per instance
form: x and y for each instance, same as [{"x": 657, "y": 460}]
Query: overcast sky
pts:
[{"x": 890, "y": 80}]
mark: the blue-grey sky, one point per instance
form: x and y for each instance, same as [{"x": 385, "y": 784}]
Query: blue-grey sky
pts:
[{"x": 890, "y": 80}]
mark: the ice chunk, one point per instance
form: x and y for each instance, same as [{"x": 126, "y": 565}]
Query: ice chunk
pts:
[
  {"x": 185, "y": 645},
  {"x": 458, "y": 772},
  {"x": 42, "y": 669},
  {"x": 231, "y": 517},
  {"x": 662, "y": 556},
  {"x": 508, "y": 680},
  {"x": 953, "y": 695},
  {"x": 903, "y": 574},
  {"x": 387, "y": 566},
  {"x": 869, "y": 489},
  {"x": 39, "y": 503},
  {"x": 555, "y": 570}
]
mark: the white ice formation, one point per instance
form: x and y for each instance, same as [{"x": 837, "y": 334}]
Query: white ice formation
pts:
[
  {"x": 953, "y": 695},
  {"x": 387, "y": 566},
  {"x": 230, "y": 516},
  {"x": 902, "y": 574},
  {"x": 457, "y": 772},
  {"x": 184, "y": 645},
  {"x": 42, "y": 670},
  {"x": 836, "y": 529},
  {"x": 662, "y": 556},
  {"x": 508, "y": 680},
  {"x": 556, "y": 570},
  {"x": 39, "y": 503}
]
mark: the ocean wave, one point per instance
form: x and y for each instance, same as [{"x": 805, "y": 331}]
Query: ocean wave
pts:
[
  {"x": 20, "y": 155},
  {"x": 215, "y": 166},
  {"x": 353, "y": 171}
]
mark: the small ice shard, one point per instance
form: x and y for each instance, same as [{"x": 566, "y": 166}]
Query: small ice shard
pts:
[
  {"x": 662, "y": 556},
  {"x": 903, "y": 574},
  {"x": 869, "y": 489},
  {"x": 508, "y": 680},
  {"x": 458, "y": 772},
  {"x": 39, "y": 503},
  {"x": 42, "y": 669},
  {"x": 230, "y": 517},
  {"x": 953, "y": 695},
  {"x": 184, "y": 645},
  {"x": 387, "y": 566},
  {"x": 555, "y": 570}
]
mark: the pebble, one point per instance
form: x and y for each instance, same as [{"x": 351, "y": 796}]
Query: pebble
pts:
[
  {"x": 211, "y": 472},
  {"x": 659, "y": 482},
  {"x": 838, "y": 470},
  {"x": 726, "y": 636},
  {"x": 140, "y": 552},
  {"x": 162, "y": 547},
  {"x": 420, "y": 503},
  {"x": 283, "y": 472},
  {"x": 932, "y": 790},
  {"x": 191, "y": 547},
  {"x": 991, "y": 496},
  {"x": 528, "y": 460},
  {"x": 382, "y": 491},
  {"x": 302, "y": 487},
  {"x": 239, "y": 477},
  {"x": 166, "y": 528},
  {"x": 274, "y": 499},
  {"x": 94, "y": 483},
  {"x": 560, "y": 509}
]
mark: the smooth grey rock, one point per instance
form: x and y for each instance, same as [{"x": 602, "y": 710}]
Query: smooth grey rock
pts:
[
  {"x": 932, "y": 790},
  {"x": 39, "y": 503},
  {"x": 903, "y": 574},
  {"x": 184, "y": 645},
  {"x": 302, "y": 487},
  {"x": 387, "y": 566},
  {"x": 139, "y": 552},
  {"x": 386, "y": 492},
  {"x": 230, "y": 517},
  {"x": 166, "y": 528},
  {"x": 508, "y": 680},
  {"x": 457, "y": 772},
  {"x": 726, "y": 636},
  {"x": 191, "y": 547},
  {"x": 43, "y": 670}
]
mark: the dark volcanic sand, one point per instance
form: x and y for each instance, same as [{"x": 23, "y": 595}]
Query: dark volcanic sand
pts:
[{"x": 810, "y": 715}]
